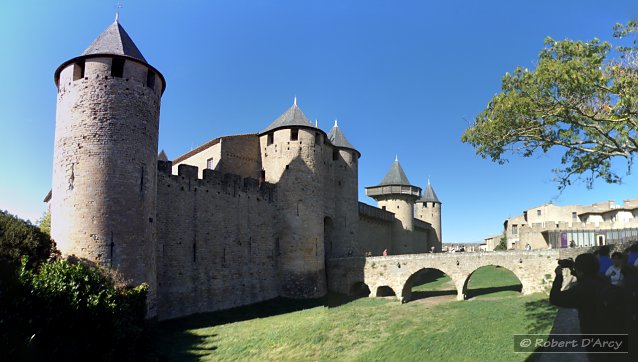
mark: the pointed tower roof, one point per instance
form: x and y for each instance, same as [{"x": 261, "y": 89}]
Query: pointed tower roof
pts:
[
  {"x": 394, "y": 183},
  {"x": 337, "y": 138},
  {"x": 162, "y": 156},
  {"x": 395, "y": 176},
  {"x": 429, "y": 195},
  {"x": 115, "y": 41},
  {"x": 293, "y": 117}
]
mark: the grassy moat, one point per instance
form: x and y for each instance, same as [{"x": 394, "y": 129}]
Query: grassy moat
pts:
[{"x": 433, "y": 327}]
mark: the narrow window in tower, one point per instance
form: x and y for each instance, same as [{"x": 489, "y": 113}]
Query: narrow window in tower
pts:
[
  {"x": 294, "y": 134},
  {"x": 142, "y": 179},
  {"x": 194, "y": 252},
  {"x": 78, "y": 70},
  {"x": 335, "y": 155},
  {"x": 150, "y": 79},
  {"x": 383, "y": 207},
  {"x": 117, "y": 67},
  {"x": 317, "y": 138},
  {"x": 271, "y": 138},
  {"x": 209, "y": 164}
]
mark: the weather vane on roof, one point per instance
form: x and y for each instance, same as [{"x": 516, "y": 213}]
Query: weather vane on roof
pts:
[{"x": 118, "y": 6}]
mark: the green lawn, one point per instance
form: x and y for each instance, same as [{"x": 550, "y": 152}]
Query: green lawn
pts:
[{"x": 365, "y": 329}]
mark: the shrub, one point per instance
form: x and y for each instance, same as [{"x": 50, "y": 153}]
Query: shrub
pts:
[{"x": 70, "y": 310}]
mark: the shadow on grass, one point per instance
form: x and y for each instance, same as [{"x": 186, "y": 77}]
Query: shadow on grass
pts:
[
  {"x": 471, "y": 293},
  {"x": 416, "y": 295},
  {"x": 175, "y": 341},
  {"x": 541, "y": 315}
]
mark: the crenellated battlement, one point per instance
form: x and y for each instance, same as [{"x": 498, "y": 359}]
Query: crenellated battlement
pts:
[{"x": 228, "y": 183}]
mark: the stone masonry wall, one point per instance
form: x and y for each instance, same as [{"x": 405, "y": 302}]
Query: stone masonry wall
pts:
[
  {"x": 217, "y": 242},
  {"x": 104, "y": 168}
]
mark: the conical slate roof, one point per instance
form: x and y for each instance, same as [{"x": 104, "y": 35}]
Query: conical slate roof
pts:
[
  {"x": 162, "y": 156},
  {"x": 115, "y": 41},
  {"x": 293, "y": 117},
  {"x": 429, "y": 195},
  {"x": 337, "y": 138},
  {"x": 395, "y": 176}
]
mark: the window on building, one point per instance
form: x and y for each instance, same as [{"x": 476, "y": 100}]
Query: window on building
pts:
[
  {"x": 78, "y": 70},
  {"x": 383, "y": 207},
  {"x": 150, "y": 79},
  {"x": 514, "y": 229},
  {"x": 317, "y": 138},
  {"x": 271, "y": 138},
  {"x": 117, "y": 67},
  {"x": 574, "y": 216},
  {"x": 209, "y": 164},
  {"x": 294, "y": 134},
  {"x": 538, "y": 212},
  {"x": 335, "y": 155}
]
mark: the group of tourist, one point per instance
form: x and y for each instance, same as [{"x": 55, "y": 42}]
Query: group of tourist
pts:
[
  {"x": 620, "y": 265},
  {"x": 605, "y": 294}
]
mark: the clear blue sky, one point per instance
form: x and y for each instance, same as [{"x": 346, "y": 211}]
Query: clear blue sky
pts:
[{"x": 402, "y": 77}]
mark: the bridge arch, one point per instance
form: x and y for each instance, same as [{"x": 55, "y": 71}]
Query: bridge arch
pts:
[
  {"x": 384, "y": 291},
  {"x": 466, "y": 294},
  {"x": 406, "y": 290},
  {"x": 359, "y": 290}
]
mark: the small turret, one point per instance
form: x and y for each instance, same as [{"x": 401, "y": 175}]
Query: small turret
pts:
[
  {"x": 345, "y": 158},
  {"x": 397, "y": 195},
  {"x": 428, "y": 209}
]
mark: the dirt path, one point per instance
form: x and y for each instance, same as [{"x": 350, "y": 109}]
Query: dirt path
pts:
[{"x": 566, "y": 322}]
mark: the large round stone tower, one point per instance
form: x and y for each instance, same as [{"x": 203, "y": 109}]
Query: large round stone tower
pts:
[
  {"x": 343, "y": 230},
  {"x": 428, "y": 209},
  {"x": 292, "y": 151},
  {"x": 105, "y": 157}
]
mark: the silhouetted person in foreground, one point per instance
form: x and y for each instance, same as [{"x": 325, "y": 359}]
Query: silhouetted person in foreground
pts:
[
  {"x": 632, "y": 258},
  {"x": 601, "y": 306},
  {"x": 604, "y": 261}
]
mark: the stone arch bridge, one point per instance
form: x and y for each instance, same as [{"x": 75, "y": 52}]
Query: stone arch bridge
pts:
[{"x": 534, "y": 269}]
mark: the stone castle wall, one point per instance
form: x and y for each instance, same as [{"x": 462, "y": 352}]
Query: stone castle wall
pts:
[
  {"x": 217, "y": 245},
  {"x": 375, "y": 230}
]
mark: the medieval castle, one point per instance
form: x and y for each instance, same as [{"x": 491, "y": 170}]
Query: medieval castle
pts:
[{"x": 235, "y": 221}]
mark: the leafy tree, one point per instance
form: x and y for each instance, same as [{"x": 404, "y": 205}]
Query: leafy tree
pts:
[
  {"x": 20, "y": 238},
  {"x": 502, "y": 245},
  {"x": 582, "y": 97},
  {"x": 45, "y": 223}
]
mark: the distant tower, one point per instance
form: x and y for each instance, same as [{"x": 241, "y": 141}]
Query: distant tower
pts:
[
  {"x": 428, "y": 209},
  {"x": 105, "y": 158},
  {"x": 293, "y": 156},
  {"x": 345, "y": 227},
  {"x": 397, "y": 195}
]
